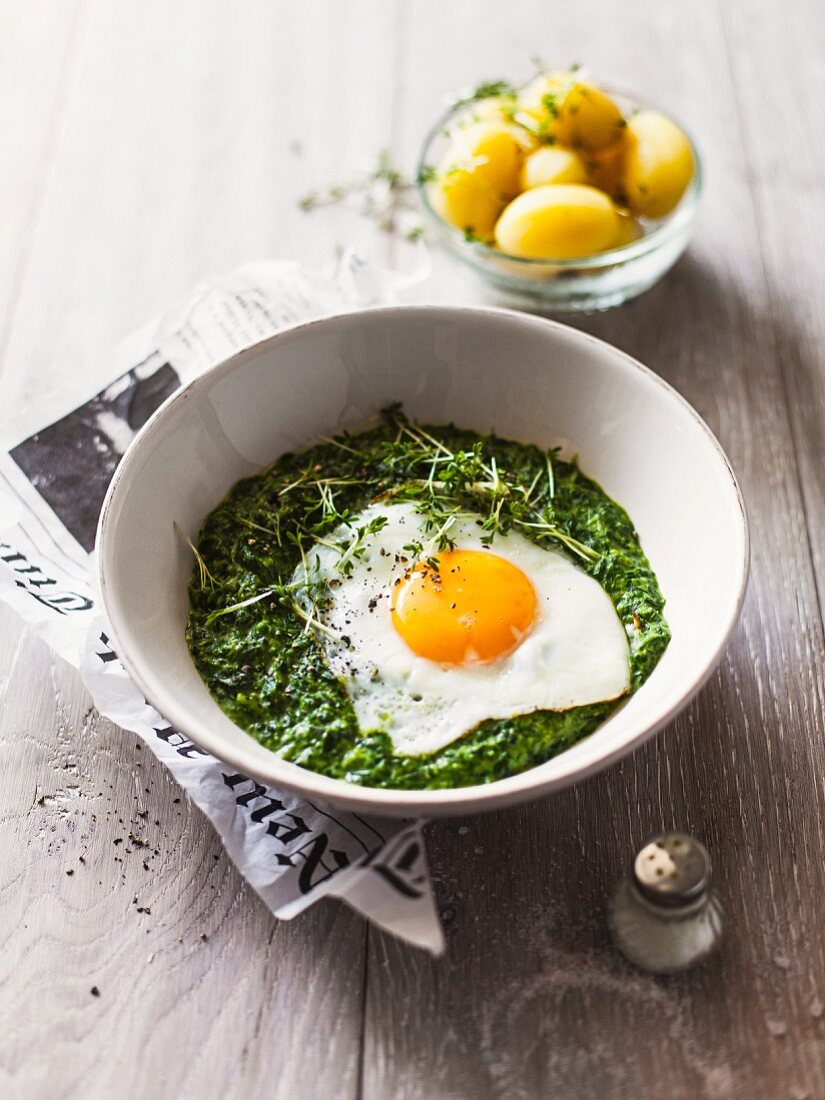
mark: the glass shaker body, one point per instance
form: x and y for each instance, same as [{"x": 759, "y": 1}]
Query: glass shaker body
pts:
[{"x": 666, "y": 916}]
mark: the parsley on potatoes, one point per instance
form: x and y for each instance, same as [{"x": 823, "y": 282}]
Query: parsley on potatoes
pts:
[{"x": 556, "y": 171}]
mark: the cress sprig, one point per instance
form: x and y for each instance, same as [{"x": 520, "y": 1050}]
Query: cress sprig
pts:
[
  {"x": 465, "y": 483},
  {"x": 413, "y": 466}
]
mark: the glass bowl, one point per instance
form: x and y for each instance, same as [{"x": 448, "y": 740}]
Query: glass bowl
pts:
[{"x": 589, "y": 283}]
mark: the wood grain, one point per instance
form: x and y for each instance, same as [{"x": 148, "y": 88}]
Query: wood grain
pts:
[
  {"x": 788, "y": 174},
  {"x": 530, "y": 1000},
  {"x": 185, "y": 144},
  {"x": 114, "y": 881},
  {"x": 187, "y": 126},
  {"x": 168, "y": 142},
  {"x": 44, "y": 39}
]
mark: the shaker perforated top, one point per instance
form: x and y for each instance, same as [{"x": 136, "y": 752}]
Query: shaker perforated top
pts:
[{"x": 672, "y": 870}]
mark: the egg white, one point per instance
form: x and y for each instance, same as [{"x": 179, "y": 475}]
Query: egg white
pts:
[{"x": 576, "y": 652}]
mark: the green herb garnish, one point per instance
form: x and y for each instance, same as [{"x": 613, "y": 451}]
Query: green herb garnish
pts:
[
  {"x": 259, "y": 608},
  {"x": 383, "y": 195}
]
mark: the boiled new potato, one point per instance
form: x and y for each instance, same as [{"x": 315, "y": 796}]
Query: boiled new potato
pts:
[
  {"x": 572, "y": 112},
  {"x": 556, "y": 171},
  {"x": 542, "y": 97},
  {"x": 480, "y": 172},
  {"x": 558, "y": 221},
  {"x": 605, "y": 168},
  {"x": 628, "y": 230},
  {"x": 588, "y": 119},
  {"x": 466, "y": 205},
  {"x": 658, "y": 165},
  {"x": 494, "y": 109},
  {"x": 552, "y": 164}
]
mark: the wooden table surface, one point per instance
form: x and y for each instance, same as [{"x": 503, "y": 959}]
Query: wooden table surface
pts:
[{"x": 145, "y": 146}]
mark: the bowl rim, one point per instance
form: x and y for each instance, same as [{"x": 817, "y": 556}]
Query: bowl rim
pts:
[
  {"x": 482, "y": 254},
  {"x": 392, "y": 801}
]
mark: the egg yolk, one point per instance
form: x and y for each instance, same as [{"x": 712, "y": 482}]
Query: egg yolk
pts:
[{"x": 475, "y": 607}]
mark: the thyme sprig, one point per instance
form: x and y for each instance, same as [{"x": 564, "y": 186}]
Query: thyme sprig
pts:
[
  {"x": 487, "y": 89},
  {"x": 382, "y": 194}
]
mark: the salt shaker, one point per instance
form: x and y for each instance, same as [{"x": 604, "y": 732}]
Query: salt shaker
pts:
[{"x": 666, "y": 916}]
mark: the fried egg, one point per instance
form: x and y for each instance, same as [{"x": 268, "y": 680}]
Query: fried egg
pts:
[{"x": 428, "y": 650}]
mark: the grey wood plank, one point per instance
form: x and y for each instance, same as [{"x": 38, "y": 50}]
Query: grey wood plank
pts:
[
  {"x": 530, "y": 1000},
  {"x": 187, "y": 135},
  {"x": 110, "y": 879},
  {"x": 41, "y": 39},
  {"x": 786, "y": 162},
  {"x": 189, "y": 138}
]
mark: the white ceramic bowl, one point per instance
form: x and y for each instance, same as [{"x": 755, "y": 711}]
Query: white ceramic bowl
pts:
[{"x": 527, "y": 378}]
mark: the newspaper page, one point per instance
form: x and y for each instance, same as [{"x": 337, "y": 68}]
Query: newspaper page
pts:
[{"x": 56, "y": 461}]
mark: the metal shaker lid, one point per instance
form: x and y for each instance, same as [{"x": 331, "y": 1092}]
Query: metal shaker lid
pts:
[{"x": 673, "y": 869}]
